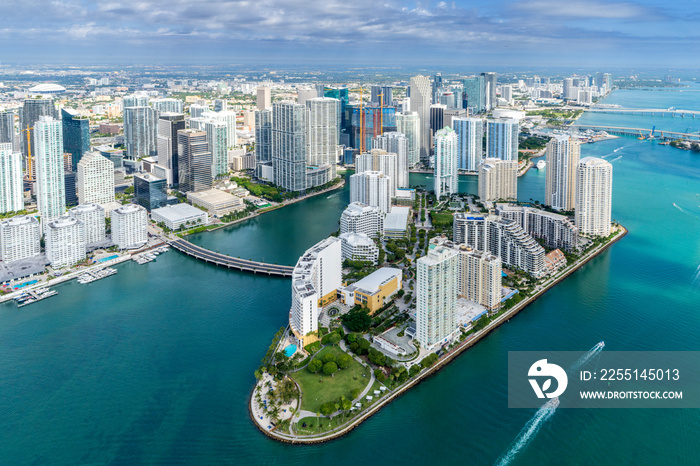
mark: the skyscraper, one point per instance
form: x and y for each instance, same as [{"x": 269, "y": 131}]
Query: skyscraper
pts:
[
  {"x": 197, "y": 110},
  {"x": 139, "y": 133},
  {"x": 289, "y": 145},
  {"x": 379, "y": 160},
  {"x": 135, "y": 100},
  {"x": 372, "y": 188},
  {"x": 490, "y": 89},
  {"x": 29, "y": 114},
  {"x": 395, "y": 143},
  {"x": 437, "y": 122},
  {"x": 50, "y": 185},
  {"x": 7, "y": 126},
  {"x": 420, "y": 103},
  {"x": 470, "y": 137},
  {"x": 95, "y": 179},
  {"x": 76, "y": 135},
  {"x": 150, "y": 191},
  {"x": 474, "y": 94},
  {"x": 194, "y": 161},
  {"x": 217, "y": 137},
  {"x": 168, "y": 126},
  {"x": 502, "y": 138},
  {"x": 498, "y": 179},
  {"x": 436, "y": 290},
  {"x": 304, "y": 94},
  {"x": 229, "y": 119},
  {"x": 263, "y": 138},
  {"x": 166, "y": 105},
  {"x": 322, "y": 135},
  {"x": 445, "y": 178},
  {"x": 264, "y": 98},
  {"x": 11, "y": 190},
  {"x": 409, "y": 125},
  {"x": 593, "y": 196},
  {"x": 563, "y": 154}
]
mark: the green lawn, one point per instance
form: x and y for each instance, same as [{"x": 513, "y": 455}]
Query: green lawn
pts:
[
  {"x": 440, "y": 218},
  {"x": 317, "y": 389}
]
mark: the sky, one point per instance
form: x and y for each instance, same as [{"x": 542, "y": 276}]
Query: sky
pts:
[{"x": 362, "y": 32}]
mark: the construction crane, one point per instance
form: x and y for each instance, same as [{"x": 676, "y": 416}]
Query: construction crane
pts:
[{"x": 30, "y": 174}]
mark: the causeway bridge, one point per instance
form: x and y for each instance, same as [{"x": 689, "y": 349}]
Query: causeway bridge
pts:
[
  {"x": 223, "y": 260},
  {"x": 645, "y": 132},
  {"x": 663, "y": 112}
]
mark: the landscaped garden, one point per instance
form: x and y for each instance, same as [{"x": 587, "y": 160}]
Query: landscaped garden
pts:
[{"x": 330, "y": 381}]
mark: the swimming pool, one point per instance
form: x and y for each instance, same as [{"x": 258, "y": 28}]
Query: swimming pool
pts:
[
  {"x": 109, "y": 258},
  {"x": 17, "y": 287},
  {"x": 290, "y": 350}
]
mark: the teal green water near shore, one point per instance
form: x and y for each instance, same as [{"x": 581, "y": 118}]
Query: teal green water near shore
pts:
[{"x": 154, "y": 365}]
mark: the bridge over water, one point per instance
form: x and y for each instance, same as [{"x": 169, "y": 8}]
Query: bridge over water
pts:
[
  {"x": 626, "y": 131},
  {"x": 223, "y": 260},
  {"x": 670, "y": 112}
]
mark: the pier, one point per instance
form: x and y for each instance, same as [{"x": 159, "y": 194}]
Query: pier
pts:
[{"x": 223, "y": 260}]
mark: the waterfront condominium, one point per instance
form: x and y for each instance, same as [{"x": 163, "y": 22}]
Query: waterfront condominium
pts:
[
  {"x": 19, "y": 238},
  {"x": 168, "y": 126},
  {"x": 359, "y": 247},
  {"x": 502, "y": 138},
  {"x": 593, "y": 196},
  {"x": 76, "y": 135},
  {"x": 129, "y": 226},
  {"x": 194, "y": 161},
  {"x": 315, "y": 281},
  {"x": 395, "y": 143},
  {"x": 263, "y": 139},
  {"x": 420, "y": 103},
  {"x": 372, "y": 188},
  {"x": 445, "y": 178},
  {"x": 92, "y": 219},
  {"x": 408, "y": 124},
  {"x": 379, "y": 160},
  {"x": 217, "y": 140},
  {"x": 557, "y": 231},
  {"x": 322, "y": 137},
  {"x": 436, "y": 286},
  {"x": 95, "y": 179},
  {"x": 502, "y": 237},
  {"x": 11, "y": 188},
  {"x": 361, "y": 218},
  {"x": 289, "y": 145},
  {"x": 563, "y": 153},
  {"x": 498, "y": 180},
  {"x": 470, "y": 137},
  {"x": 65, "y": 241},
  {"x": 478, "y": 274},
  {"x": 50, "y": 185}
]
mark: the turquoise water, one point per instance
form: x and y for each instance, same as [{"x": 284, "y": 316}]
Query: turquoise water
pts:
[
  {"x": 108, "y": 258},
  {"x": 154, "y": 364},
  {"x": 290, "y": 350}
]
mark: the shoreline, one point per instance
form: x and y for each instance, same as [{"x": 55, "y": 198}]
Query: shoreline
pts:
[{"x": 440, "y": 363}]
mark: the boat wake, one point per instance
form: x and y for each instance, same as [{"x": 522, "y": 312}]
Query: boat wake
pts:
[
  {"x": 530, "y": 431},
  {"x": 616, "y": 159},
  {"x": 533, "y": 426},
  {"x": 695, "y": 284},
  {"x": 682, "y": 209}
]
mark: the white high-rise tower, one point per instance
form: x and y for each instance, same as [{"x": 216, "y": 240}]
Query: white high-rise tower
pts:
[
  {"x": 445, "y": 162},
  {"x": 563, "y": 154},
  {"x": 50, "y": 183},
  {"x": 420, "y": 103},
  {"x": 322, "y": 133},
  {"x": 593, "y": 196},
  {"x": 11, "y": 198}
]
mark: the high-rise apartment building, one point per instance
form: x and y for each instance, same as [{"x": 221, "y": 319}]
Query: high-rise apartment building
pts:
[
  {"x": 76, "y": 135},
  {"x": 490, "y": 89},
  {"x": 556, "y": 230},
  {"x": 264, "y": 98},
  {"x": 217, "y": 137},
  {"x": 445, "y": 177},
  {"x": 7, "y": 127},
  {"x": 95, "y": 179},
  {"x": 289, "y": 145},
  {"x": 47, "y": 144},
  {"x": 129, "y": 226},
  {"x": 305, "y": 94},
  {"x": 409, "y": 125},
  {"x": 197, "y": 110},
  {"x": 65, "y": 241},
  {"x": 379, "y": 160},
  {"x": 19, "y": 238},
  {"x": 436, "y": 290},
  {"x": 263, "y": 139},
  {"x": 11, "y": 187},
  {"x": 194, "y": 161},
  {"x": 470, "y": 137},
  {"x": 563, "y": 153},
  {"x": 229, "y": 119},
  {"x": 322, "y": 135},
  {"x": 498, "y": 180},
  {"x": 315, "y": 281},
  {"x": 166, "y": 105},
  {"x": 395, "y": 143},
  {"x": 502, "y": 138},
  {"x": 139, "y": 132},
  {"x": 372, "y": 188},
  {"x": 593, "y": 196},
  {"x": 474, "y": 94},
  {"x": 420, "y": 103},
  {"x": 29, "y": 114},
  {"x": 92, "y": 219}
]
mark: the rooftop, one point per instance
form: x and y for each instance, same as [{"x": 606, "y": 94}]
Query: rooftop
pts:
[
  {"x": 371, "y": 283},
  {"x": 176, "y": 212},
  {"x": 397, "y": 219}
]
